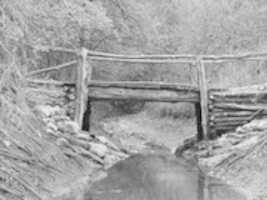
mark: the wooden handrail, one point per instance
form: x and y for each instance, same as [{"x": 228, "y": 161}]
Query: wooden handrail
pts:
[
  {"x": 143, "y": 60},
  {"x": 248, "y": 55},
  {"x": 54, "y": 68},
  {"x": 178, "y": 56}
]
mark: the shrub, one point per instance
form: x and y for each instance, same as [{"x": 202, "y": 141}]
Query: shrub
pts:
[{"x": 173, "y": 110}]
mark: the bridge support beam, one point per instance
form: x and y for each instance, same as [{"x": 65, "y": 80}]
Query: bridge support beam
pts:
[
  {"x": 203, "y": 98},
  {"x": 84, "y": 72}
]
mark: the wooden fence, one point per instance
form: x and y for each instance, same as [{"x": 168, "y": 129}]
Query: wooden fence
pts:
[
  {"x": 230, "y": 108},
  {"x": 89, "y": 90}
]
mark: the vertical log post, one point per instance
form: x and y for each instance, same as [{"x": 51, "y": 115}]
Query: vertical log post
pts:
[
  {"x": 81, "y": 87},
  {"x": 200, "y": 135},
  {"x": 87, "y": 114},
  {"x": 203, "y": 87}
]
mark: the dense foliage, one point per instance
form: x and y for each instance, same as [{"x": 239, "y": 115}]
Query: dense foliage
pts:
[{"x": 135, "y": 26}]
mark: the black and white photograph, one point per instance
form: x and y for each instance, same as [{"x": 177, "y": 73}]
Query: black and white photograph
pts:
[{"x": 133, "y": 99}]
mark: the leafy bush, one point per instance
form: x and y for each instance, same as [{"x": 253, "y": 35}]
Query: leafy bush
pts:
[
  {"x": 128, "y": 106},
  {"x": 57, "y": 23}
]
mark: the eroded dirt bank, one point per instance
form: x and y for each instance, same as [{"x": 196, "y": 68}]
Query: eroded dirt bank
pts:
[{"x": 79, "y": 158}]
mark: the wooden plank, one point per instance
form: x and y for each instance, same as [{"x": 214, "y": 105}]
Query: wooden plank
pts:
[
  {"x": 233, "y": 115},
  {"x": 233, "y": 123},
  {"x": 244, "y": 90},
  {"x": 50, "y": 82},
  {"x": 203, "y": 96},
  {"x": 79, "y": 96},
  {"x": 81, "y": 88},
  {"x": 211, "y": 58},
  {"x": 149, "y": 61},
  {"x": 164, "y": 95},
  {"x": 232, "y": 107},
  {"x": 230, "y": 119},
  {"x": 144, "y": 85}
]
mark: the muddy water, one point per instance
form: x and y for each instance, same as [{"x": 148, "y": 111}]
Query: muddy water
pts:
[{"x": 159, "y": 177}]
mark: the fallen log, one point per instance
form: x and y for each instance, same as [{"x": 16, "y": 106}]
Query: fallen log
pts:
[
  {"x": 150, "y": 61},
  {"x": 229, "y": 119},
  {"x": 50, "y": 82},
  {"x": 238, "y": 100},
  {"x": 224, "y": 129},
  {"x": 224, "y": 114},
  {"x": 239, "y": 94},
  {"x": 7, "y": 189},
  {"x": 234, "y": 106},
  {"x": 24, "y": 184},
  {"x": 91, "y": 155},
  {"x": 233, "y": 123}
]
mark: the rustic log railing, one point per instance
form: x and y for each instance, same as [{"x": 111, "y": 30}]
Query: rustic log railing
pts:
[{"x": 209, "y": 103}]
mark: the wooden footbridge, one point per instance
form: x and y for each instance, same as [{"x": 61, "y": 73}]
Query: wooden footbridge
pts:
[{"x": 216, "y": 109}]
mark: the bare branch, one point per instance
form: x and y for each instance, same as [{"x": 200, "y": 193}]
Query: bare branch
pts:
[{"x": 57, "y": 67}]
